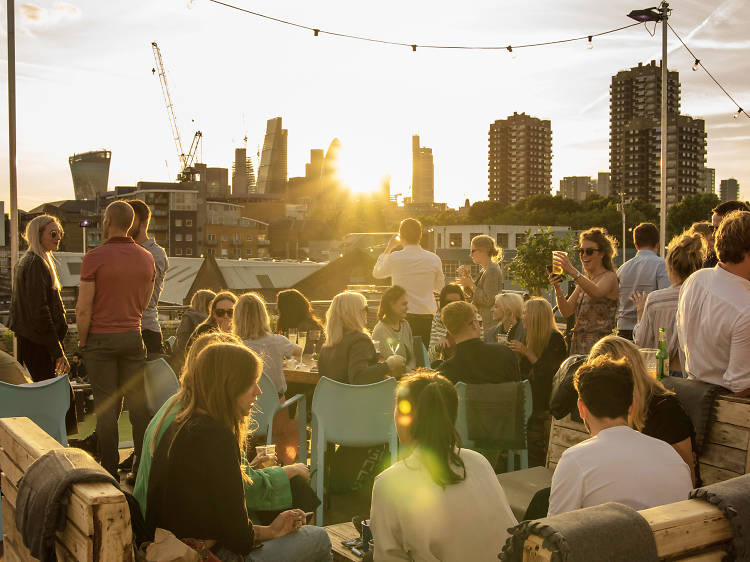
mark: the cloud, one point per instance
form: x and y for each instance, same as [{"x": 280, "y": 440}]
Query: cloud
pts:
[
  {"x": 32, "y": 12},
  {"x": 69, "y": 9},
  {"x": 36, "y": 18}
]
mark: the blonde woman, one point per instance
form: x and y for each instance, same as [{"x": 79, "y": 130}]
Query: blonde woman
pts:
[
  {"x": 686, "y": 254},
  {"x": 656, "y": 411},
  {"x": 252, "y": 325},
  {"x": 37, "y": 315},
  {"x": 348, "y": 355},
  {"x": 506, "y": 315},
  {"x": 482, "y": 291}
]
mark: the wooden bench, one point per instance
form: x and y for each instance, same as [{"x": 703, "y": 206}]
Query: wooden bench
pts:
[{"x": 98, "y": 519}]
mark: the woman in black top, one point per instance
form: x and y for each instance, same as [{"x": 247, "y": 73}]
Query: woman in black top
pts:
[
  {"x": 656, "y": 411},
  {"x": 37, "y": 315},
  {"x": 219, "y": 319},
  {"x": 196, "y": 483},
  {"x": 296, "y": 312}
]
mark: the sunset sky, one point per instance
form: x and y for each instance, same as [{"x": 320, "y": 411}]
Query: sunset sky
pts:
[{"x": 85, "y": 83}]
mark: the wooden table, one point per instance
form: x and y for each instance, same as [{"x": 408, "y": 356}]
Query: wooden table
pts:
[
  {"x": 302, "y": 376},
  {"x": 338, "y": 533}
]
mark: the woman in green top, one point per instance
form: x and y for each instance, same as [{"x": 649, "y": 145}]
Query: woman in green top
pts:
[{"x": 273, "y": 489}]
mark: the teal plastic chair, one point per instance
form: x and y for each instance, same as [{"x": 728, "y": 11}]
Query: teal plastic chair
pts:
[
  {"x": 161, "y": 384},
  {"x": 463, "y": 430},
  {"x": 266, "y": 407},
  {"x": 423, "y": 358},
  {"x": 45, "y": 403},
  {"x": 355, "y": 415}
]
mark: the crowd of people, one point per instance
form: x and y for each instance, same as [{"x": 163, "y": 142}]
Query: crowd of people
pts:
[{"x": 195, "y": 476}]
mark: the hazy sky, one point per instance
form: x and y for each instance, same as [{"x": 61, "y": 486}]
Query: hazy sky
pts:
[{"x": 85, "y": 82}]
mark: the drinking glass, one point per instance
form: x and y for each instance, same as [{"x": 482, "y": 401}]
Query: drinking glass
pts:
[
  {"x": 292, "y": 335},
  {"x": 502, "y": 337},
  {"x": 649, "y": 357},
  {"x": 302, "y": 341}
]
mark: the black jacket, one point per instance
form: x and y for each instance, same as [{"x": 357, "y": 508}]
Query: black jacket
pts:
[
  {"x": 353, "y": 360},
  {"x": 477, "y": 362},
  {"x": 36, "y": 308}
]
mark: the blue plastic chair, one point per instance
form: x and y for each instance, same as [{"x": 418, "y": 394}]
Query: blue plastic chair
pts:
[
  {"x": 266, "y": 407},
  {"x": 463, "y": 430},
  {"x": 45, "y": 403},
  {"x": 161, "y": 384},
  {"x": 355, "y": 415}
]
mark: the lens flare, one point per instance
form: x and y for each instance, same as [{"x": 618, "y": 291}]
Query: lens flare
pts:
[
  {"x": 404, "y": 420},
  {"x": 404, "y": 406}
]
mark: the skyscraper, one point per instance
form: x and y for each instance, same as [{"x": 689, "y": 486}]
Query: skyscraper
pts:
[
  {"x": 423, "y": 173},
  {"x": 90, "y": 171},
  {"x": 272, "y": 174},
  {"x": 709, "y": 180},
  {"x": 243, "y": 175},
  {"x": 520, "y": 158},
  {"x": 603, "y": 181},
  {"x": 635, "y": 137},
  {"x": 729, "y": 190}
]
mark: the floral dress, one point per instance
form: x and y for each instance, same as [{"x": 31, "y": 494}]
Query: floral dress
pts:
[{"x": 595, "y": 318}]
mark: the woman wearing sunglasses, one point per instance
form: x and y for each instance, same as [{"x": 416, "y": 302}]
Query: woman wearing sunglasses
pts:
[
  {"x": 220, "y": 313},
  {"x": 594, "y": 300},
  {"x": 37, "y": 315}
]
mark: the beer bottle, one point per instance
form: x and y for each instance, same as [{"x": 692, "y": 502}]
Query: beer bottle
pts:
[{"x": 662, "y": 356}]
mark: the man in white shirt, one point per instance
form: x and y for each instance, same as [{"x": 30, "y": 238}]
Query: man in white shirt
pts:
[
  {"x": 713, "y": 313},
  {"x": 415, "y": 269},
  {"x": 618, "y": 463},
  {"x": 643, "y": 274}
]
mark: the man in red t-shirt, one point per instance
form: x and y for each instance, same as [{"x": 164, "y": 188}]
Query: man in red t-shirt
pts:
[{"x": 117, "y": 279}]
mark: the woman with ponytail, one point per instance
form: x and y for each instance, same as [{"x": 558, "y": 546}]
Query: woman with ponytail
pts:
[
  {"x": 658, "y": 309},
  {"x": 442, "y": 502}
]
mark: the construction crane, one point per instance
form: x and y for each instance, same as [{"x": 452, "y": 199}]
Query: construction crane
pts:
[{"x": 186, "y": 160}]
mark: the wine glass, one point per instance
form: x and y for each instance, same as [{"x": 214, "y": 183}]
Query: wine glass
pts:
[
  {"x": 302, "y": 341},
  {"x": 394, "y": 346},
  {"x": 314, "y": 336},
  {"x": 292, "y": 335}
]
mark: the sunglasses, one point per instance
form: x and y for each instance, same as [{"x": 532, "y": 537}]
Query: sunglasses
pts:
[
  {"x": 587, "y": 251},
  {"x": 221, "y": 312},
  {"x": 54, "y": 234}
]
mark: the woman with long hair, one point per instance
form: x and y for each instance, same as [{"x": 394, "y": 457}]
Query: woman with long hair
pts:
[
  {"x": 441, "y": 342},
  {"x": 348, "y": 355},
  {"x": 656, "y": 411},
  {"x": 594, "y": 300},
  {"x": 269, "y": 491},
  {"x": 685, "y": 255},
  {"x": 485, "y": 253},
  {"x": 392, "y": 334},
  {"x": 252, "y": 325},
  {"x": 220, "y": 311},
  {"x": 441, "y": 502},
  {"x": 196, "y": 487},
  {"x": 506, "y": 314},
  {"x": 37, "y": 314},
  {"x": 296, "y": 312}
]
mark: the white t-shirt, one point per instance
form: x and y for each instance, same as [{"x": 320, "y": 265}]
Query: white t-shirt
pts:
[
  {"x": 272, "y": 349},
  {"x": 412, "y": 518},
  {"x": 418, "y": 271},
  {"x": 713, "y": 327},
  {"x": 620, "y": 465}
]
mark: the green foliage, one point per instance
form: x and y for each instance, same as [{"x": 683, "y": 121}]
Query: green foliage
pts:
[
  {"x": 693, "y": 208},
  {"x": 533, "y": 256}
]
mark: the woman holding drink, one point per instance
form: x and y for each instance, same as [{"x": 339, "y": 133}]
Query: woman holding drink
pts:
[
  {"x": 482, "y": 291},
  {"x": 594, "y": 300}
]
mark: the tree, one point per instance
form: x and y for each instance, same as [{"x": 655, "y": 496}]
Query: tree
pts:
[
  {"x": 693, "y": 208},
  {"x": 533, "y": 256}
]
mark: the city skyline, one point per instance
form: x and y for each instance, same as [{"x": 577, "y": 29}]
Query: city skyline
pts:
[{"x": 85, "y": 83}]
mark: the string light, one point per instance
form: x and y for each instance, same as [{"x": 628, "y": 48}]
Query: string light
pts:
[
  {"x": 316, "y": 31},
  {"x": 590, "y": 44},
  {"x": 698, "y": 62}
]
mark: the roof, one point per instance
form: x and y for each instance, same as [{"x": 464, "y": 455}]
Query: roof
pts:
[
  {"x": 262, "y": 274},
  {"x": 68, "y": 205}
]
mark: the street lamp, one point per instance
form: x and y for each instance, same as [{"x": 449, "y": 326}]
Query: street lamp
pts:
[{"x": 660, "y": 14}]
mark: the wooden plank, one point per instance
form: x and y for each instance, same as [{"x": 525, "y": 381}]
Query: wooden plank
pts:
[
  {"x": 9, "y": 552},
  {"x": 9, "y": 491},
  {"x": 712, "y": 475},
  {"x": 724, "y": 457},
  {"x": 78, "y": 544},
  {"x": 570, "y": 424},
  {"x": 566, "y": 437},
  {"x": 12, "y": 535},
  {"x": 733, "y": 398},
  {"x": 10, "y": 469},
  {"x": 736, "y": 413},
  {"x": 338, "y": 533},
  {"x": 112, "y": 524},
  {"x": 301, "y": 376},
  {"x": 715, "y": 555},
  {"x": 24, "y": 441},
  {"x": 554, "y": 453},
  {"x": 730, "y": 435}
]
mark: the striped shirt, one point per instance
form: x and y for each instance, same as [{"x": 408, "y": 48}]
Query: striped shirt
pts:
[{"x": 660, "y": 312}]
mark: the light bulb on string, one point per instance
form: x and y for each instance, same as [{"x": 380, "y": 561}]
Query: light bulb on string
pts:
[
  {"x": 590, "y": 44},
  {"x": 696, "y": 64},
  {"x": 737, "y": 115},
  {"x": 510, "y": 50}
]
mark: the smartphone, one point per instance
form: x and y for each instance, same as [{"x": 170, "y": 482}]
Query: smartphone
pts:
[
  {"x": 549, "y": 269},
  {"x": 352, "y": 542}
]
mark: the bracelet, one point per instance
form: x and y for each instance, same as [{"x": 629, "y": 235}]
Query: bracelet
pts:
[{"x": 580, "y": 274}]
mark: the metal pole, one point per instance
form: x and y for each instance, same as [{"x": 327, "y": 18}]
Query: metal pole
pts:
[
  {"x": 664, "y": 90},
  {"x": 624, "y": 231},
  {"x": 11, "y": 29},
  {"x": 84, "y": 239}
]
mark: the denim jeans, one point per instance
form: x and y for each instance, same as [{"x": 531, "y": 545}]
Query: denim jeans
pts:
[{"x": 309, "y": 544}]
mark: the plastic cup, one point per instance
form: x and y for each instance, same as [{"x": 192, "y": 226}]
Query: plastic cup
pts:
[
  {"x": 502, "y": 338},
  {"x": 556, "y": 269},
  {"x": 649, "y": 357}
]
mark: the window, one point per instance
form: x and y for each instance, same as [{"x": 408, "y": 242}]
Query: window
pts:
[
  {"x": 502, "y": 240},
  {"x": 211, "y": 237},
  {"x": 188, "y": 237},
  {"x": 178, "y": 222},
  {"x": 439, "y": 240},
  {"x": 455, "y": 239},
  {"x": 224, "y": 252},
  {"x": 249, "y": 238},
  {"x": 188, "y": 222},
  {"x": 520, "y": 239},
  {"x": 473, "y": 234},
  {"x": 223, "y": 237},
  {"x": 236, "y": 237},
  {"x": 249, "y": 252},
  {"x": 178, "y": 237},
  {"x": 189, "y": 251},
  {"x": 178, "y": 252},
  {"x": 210, "y": 252}
]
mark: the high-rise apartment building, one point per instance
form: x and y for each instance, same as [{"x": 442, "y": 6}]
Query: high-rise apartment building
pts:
[
  {"x": 729, "y": 190},
  {"x": 272, "y": 173},
  {"x": 520, "y": 158},
  {"x": 423, "y": 173},
  {"x": 576, "y": 187},
  {"x": 602, "y": 184},
  {"x": 709, "y": 180},
  {"x": 635, "y": 138},
  {"x": 243, "y": 175}
]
